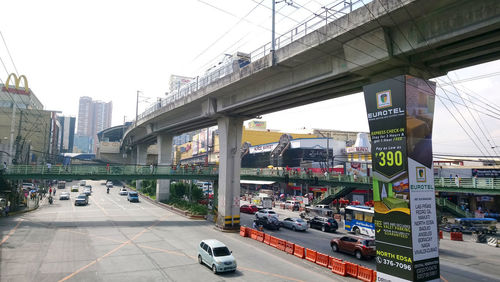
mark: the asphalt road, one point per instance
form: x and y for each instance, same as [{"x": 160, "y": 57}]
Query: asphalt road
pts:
[
  {"x": 114, "y": 240},
  {"x": 459, "y": 261}
]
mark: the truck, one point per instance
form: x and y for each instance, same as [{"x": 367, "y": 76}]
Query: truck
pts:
[{"x": 61, "y": 184}]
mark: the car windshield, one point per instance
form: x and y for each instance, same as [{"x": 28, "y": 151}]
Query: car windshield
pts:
[
  {"x": 81, "y": 197},
  {"x": 221, "y": 251},
  {"x": 132, "y": 193},
  {"x": 299, "y": 220},
  {"x": 271, "y": 212},
  {"x": 331, "y": 220},
  {"x": 369, "y": 243}
]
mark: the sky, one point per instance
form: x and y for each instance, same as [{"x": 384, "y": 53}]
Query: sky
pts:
[{"x": 109, "y": 50}]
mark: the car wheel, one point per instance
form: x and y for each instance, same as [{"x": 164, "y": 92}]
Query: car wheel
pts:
[
  {"x": 358, "y": 255},
  {"x": 293, "y": 228},
  {"x": 323, "y": 228},
  {"x": 357, "y": 231},
  {"x": 335, "y": 248},
  {"x": 200, "y": 261},
  {"x": 214, "y": 269}
]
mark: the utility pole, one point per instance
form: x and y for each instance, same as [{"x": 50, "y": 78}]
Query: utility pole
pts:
[{"x": 273, "y": 43}]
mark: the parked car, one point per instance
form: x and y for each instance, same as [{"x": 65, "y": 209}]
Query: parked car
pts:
[
  {"x": 271, "y": 223},
  {"x": 64, "y": 196},
  {"x": 361, "y": 247},
  {"x": 249, "y": 209},
  {"x": 216, "y": 255},
  {"x": 324, "y": 223},
  {"x": 123, "y": 192},
  {"x": 82, "y": 199},
  {"x": 87, "y": 191},
  {"x": 266, "y": 214},
  {"x": 133, "y": 196},
  {"x": 295, "y": 223},
  {"x": 74, "y": 188}
]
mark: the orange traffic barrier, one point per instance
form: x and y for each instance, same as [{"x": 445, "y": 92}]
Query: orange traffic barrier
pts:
[
  {"x": 311, "y": 255},
  {"x": 365, "y": 274},
  {"x": 338, "y": 267},
  {"x": 330, "y": 261},
  {"x": 374, "y": 276},
  {"x": 298, "y": 251},
  {"x": 260, "y": 236},
  {"x": 440, "y": 234},
  {"x": 322, "y": 259},
  {"x": 351, "y": 269},
  {"x": 273, "y": 242},
  {"x": 281, "y": 245},
  {"x": 267, "y": 238},
  {"x": 456, "y": 236},
  {"x": 243, "y": 231},
  {"x": 289, "y": 247},
  {"x": 253, "y": 234}
]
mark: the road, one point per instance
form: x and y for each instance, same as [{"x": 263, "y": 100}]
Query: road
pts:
[
  {"x": 459, "y": 261},
  {"x": 114, "y": 240}
]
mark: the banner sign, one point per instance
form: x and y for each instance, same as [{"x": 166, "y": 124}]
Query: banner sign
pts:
[{"x": 400, "y": 115}]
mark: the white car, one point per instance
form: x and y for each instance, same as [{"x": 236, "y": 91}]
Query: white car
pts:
[
  {"x": 109, "y": 184},
  {"x": 266, "y": 214},
  {"x": 123, "y": 192},
  {"x": 216, "y": 255},
  {"x": 64, "y": 196}
]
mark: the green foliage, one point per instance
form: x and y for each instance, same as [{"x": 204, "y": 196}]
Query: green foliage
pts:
[
  {"x": 193, "y": 208},
  {"x": 178, "y": 190},
  {"x": 196, "y": 193}
]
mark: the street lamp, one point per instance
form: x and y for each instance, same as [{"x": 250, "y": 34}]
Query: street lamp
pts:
[{"x": 273, "y": 43}]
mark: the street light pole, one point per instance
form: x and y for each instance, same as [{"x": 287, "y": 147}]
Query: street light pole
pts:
[
  {"x": 137, "y": 107},
  {"x": 273, "y": 43}
]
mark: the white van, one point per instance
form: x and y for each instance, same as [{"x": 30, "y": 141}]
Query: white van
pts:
[{"x": 83, "y": 183}]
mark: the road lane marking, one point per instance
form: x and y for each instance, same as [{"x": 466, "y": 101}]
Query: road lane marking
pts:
[
  {"x": 442, "y": 278},
  {"x": 11, "y": 232},
  {"x": 112, "y": 251},
  {"x": 103, "y": 210}
]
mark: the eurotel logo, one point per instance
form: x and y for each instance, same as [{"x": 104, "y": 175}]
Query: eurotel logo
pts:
[{"x": 384, "y": 99}]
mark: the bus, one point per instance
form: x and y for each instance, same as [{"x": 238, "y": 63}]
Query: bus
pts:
[{"x": 359, "y": 219}]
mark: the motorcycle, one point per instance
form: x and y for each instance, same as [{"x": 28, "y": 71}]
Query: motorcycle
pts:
[{"x": 51, "y": 200}]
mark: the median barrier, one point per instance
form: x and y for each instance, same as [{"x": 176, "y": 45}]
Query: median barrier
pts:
[
  {"x": 243, "y": 231},
  {"x": 281, "y": 245},
  {"x": 273, "y": 242},
  {"x": 493, "y": 241},
  {"x": 298, "y": 251},
  {"x": 289, "y": 247},
  {"x": 351, "y": 269},
  {"x": 260, "y": 236},
  {"x": 253, "y": 234},
  {"x": 331, "y": 260},
  {"x": 440, "y": 234},
  {"x": 311, "y": 255},
  {"x": 478, "y": 238},
  {"x": 322, "y": 259},
  {"x": 338, "y": 267},
  {"x": 267, "y": 238},
  {"x": 456, "y": 236},
  {"x": 365, "y": 274}
]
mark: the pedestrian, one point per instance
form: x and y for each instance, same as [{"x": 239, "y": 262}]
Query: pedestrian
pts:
[
  {"x": 457, "y": 181},
  {"x": 49, "y": 166},
  {"x": 50, "y": 191},
  {"x": 55, "y": 191},
  {"x": 107, "y": 168},
  {"x": 151, "y": 168}
]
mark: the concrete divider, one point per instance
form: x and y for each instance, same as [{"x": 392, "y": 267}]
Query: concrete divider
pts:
[
  {"x": 289, "y": 247},
  {"x": 365, "y": 274},
  {"x": 338, "y": 267},
  {"x": 267, "y": 238},
  {"x": 351, "y": 269},
  {"x": 273, "y": 242},
  {"x": 299, "y": 251},
  {"x": 493, "y": 241},
  {"x": 281, "y": 245},
  {"x": 456, "y": 236},
  {"x": 322, "y": 259},
  {"x": 243, "y": 231},
  {"x": 311, "y": 255}
]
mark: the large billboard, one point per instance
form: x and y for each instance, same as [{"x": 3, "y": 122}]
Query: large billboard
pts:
[{"x": 400, "y": 115}]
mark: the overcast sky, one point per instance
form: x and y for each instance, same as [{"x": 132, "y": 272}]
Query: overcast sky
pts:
[{"x": 110, "y": 49}]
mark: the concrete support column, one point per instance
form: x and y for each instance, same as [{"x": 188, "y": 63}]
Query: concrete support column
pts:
[
  {"x": 230, "y": 132},
  {"x": 164, "y": 144},
  {"x": 141, "y": 159}
]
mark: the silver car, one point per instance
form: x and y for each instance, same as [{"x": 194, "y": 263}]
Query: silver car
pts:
[
  {"x": 64, "y": 196},
  {"x": 216, "y": 255},
  {"x": 295, "y": 223}
]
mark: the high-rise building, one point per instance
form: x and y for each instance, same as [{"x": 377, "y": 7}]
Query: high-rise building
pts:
[
  {"x": 67, "y": 135},
  {"x": 93, "y": 117}
]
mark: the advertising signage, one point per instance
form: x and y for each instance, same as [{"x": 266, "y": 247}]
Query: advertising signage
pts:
[{"x": 400, "y": 115}]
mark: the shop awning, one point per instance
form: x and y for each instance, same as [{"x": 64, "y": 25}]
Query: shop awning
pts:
[{"x": 257, "y": 182}]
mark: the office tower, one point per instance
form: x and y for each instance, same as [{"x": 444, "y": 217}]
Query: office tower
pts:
[
  {"x": 93, "y": 116},
  {"x": 67, "y": 135}
]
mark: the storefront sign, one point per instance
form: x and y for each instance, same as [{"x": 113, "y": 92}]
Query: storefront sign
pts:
[
  {"x": 400, "y": 114},
  {"x": 486, "y": 173},
  {"x": 262, "y": 148}
]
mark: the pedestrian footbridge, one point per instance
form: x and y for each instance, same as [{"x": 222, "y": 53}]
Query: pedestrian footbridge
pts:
[{"x": 489, "y": 186}]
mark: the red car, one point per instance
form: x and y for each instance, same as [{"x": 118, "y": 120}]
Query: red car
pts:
[
  {"x": 249, "y": 209},
  {"x": 359, "y": 246}
]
